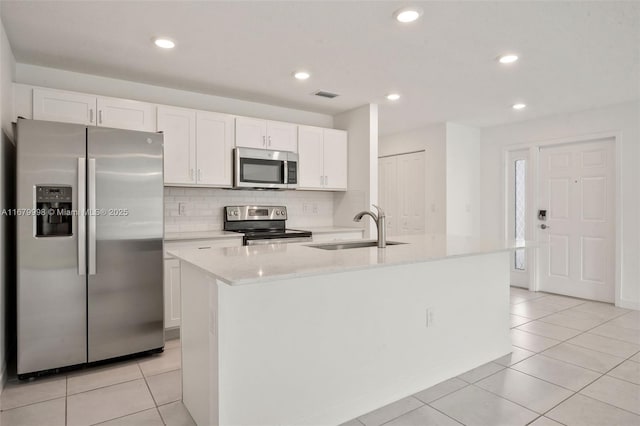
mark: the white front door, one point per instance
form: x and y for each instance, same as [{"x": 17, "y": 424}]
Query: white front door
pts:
[{"x": 577, "y": 191}]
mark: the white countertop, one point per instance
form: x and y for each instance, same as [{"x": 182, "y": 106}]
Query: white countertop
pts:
[
  {"x": 214, "y": 235},
  {"x": 200, "y": 235},
  {"x": 256, "y": 264}
]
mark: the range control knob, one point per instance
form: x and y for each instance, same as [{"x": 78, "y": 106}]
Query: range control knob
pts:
[
  {"x": 234, "y": 212},
  {"x": 282, "y": 212},
  {"x": 277, "y": 212}
]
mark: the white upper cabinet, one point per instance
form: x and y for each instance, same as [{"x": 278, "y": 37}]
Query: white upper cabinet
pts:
[
  {"x": 335, "y": 159},
  {"x": 256, "y": 133},
  {"x": 68, "y": 107},
  {"x": 214, "y": 148},
  {"x": 126, "y": 114},
  {"x": 310, "y": 157},
  {"x": 179, "y": 128},
  {"x": 282, "y": 136},
  {"x": 71, "y": 107},
  {"x": 323, "y": 158},
  {"x": 251, "y": 132}
]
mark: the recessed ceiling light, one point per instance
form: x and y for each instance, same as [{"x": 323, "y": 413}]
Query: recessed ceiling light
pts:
[
  {"x": 165, "y": 43},
  {"x": 519, "y": 106},
  {"x": 508, "y": 59},
  {"x": 301, "y": 75},
  {"x": 407, "y": 14},
  {"x": 393, "y": 96}
]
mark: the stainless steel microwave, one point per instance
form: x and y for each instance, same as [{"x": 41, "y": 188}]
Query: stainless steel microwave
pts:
[{"x": 265, "y": 169}]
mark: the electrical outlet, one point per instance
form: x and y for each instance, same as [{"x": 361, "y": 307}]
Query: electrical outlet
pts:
[
  {"x": 429, "y": 317},
  {"x": 182, "y": 209},
  {"x": 315, "y": 208}
]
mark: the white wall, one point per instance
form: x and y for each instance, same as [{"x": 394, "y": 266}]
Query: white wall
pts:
[
  {"x": 203, "y": 207},
  {"x": 362, "y": 125},
  {"x": 623, "y": 120},
  {"x": 7, "y": 173},
  {"x": 463, "y": 180},
  {"x": 67, "y": 80}
]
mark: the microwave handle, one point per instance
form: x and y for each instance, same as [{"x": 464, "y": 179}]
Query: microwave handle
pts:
[{"x": 285, "y": 164}]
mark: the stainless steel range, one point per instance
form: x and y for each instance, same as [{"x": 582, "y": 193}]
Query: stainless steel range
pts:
[{"x": 262, "y": 225}]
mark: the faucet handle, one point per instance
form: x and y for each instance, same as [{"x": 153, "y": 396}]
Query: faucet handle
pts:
[{"x": 380, "y": 211}]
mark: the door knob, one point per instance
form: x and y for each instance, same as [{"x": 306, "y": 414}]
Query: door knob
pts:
[{"x": 543, "y": 226}]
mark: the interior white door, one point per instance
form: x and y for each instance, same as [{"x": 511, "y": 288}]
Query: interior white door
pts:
[
  {"x": 411, "y": 182},
  {"x": 388, "y": 191},
  {"x": 518, "y": 213},
  {"x": 577, "y": 190},
  {"x": 401, "y": 191},
  {"x": 214, "y": 148}
]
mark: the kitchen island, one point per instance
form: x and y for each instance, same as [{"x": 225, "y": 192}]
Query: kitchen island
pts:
[{"x": 291, "y": 334}]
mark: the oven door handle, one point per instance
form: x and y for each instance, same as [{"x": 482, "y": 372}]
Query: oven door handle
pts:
[
  {"x": 278, "y": 241},
  {"x": 285, "y": 164}
]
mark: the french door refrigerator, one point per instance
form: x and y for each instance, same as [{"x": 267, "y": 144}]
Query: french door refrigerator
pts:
[{"x": 89, "y": 244}]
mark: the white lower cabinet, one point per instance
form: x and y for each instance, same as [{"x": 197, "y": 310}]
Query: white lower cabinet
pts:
[{"x": 172, "y": 281}]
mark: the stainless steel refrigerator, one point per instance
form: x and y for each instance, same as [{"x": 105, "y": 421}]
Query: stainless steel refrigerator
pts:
[{"x": 89, "y": 244}]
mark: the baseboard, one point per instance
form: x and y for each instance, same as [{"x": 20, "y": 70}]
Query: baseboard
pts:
[
  {"x": 171, "y": 333},
  {"x": 629, "y": 304}
]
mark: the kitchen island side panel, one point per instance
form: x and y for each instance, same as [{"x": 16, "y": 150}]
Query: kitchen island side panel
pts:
[
  {"x": 324, "y": 349},
  {"x": 199, "y": 344}
]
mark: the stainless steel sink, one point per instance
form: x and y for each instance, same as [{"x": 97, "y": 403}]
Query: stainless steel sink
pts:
[{"x": 350, "y": 245}]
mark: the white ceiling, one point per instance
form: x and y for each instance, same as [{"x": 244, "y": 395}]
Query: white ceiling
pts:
[{"x": 574, "y": 55}]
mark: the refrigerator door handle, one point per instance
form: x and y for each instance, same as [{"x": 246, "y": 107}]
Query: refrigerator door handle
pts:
[
  {"x": 82, "y": 218},
  {"x": 92, "y": 216}
]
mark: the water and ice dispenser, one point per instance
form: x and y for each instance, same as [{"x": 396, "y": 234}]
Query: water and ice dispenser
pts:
[{"x": 53, "y": 204}]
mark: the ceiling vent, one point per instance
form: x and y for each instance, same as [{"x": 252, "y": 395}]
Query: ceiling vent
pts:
[{"x": 324, "y": 94}]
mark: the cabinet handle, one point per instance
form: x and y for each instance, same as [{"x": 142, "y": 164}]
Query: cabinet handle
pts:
[
  {"x": 321, "y": 180},
  {"x": 326, "y": 180},
  {"x": 199, "y": 175},
  {"x": 100, "y": 116},
  {"x": 191, "y": 174},
  {"x": 90, "y": 115},
  {"x": 269, "y": 140},
  {"x": 264, "y": 141}
]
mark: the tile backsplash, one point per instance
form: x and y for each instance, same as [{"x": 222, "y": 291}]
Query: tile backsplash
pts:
[{"x": 200, "y": 209}]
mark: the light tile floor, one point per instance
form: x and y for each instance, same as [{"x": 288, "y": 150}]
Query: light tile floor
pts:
[
  {"x": 574, "y": 362},
  {"x": 144, "y": 391}
]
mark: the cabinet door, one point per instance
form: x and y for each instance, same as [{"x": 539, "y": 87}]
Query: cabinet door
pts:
[
  {"x": 126, "y": 114},
  {"x": 67, "y": 107},
  {"x": 214, "y": 148},
  {"x": 171, "y": 293},
  {"x": 251, "y": 132},
  {"x": 335, "y": 159},
  {"x": 179, "y": 128},
  {"x": 310, "y": 154},
  {"x": 282, "y": 136}
]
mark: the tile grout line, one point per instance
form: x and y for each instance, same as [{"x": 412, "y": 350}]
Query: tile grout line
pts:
[
  {"x": 601, "y": 374},
  {"x": 120, "y": 417}
]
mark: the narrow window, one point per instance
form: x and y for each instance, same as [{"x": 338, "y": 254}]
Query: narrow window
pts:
[{"x": 520, "y": 211}]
